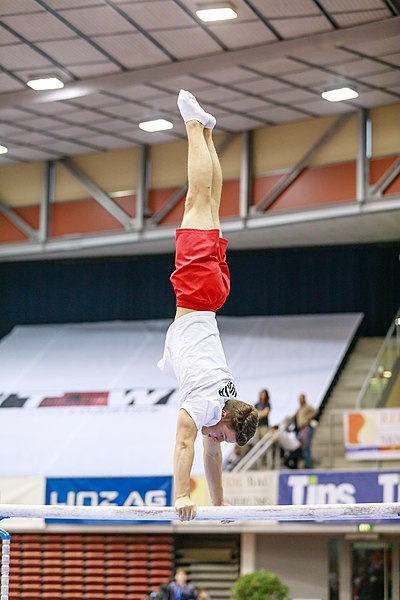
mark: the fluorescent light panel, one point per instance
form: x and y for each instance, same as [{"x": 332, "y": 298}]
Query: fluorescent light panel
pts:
[
  {"x": 3, "y": 149},
  {"x": 156, "y": 125},
  {"x": 45, "y": 83},
  {"x": 340, "y": 94},
  {"x": 216, "y": 11}
]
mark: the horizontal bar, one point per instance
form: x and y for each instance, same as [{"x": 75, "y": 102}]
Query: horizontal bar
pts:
[{"x": 314, "y": 512}]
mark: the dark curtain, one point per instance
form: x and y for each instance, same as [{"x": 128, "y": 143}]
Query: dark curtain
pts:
[{"x": 264, "y": 282}]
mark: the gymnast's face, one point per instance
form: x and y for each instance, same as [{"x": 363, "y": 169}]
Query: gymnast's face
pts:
[{"x": 221, "y": 432}]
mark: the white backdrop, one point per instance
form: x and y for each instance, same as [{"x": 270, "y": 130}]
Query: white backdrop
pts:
[{"x": 132, "y": 434}]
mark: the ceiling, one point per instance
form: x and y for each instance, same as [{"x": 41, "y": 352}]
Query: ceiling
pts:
[{"x": 123, "y": 61}]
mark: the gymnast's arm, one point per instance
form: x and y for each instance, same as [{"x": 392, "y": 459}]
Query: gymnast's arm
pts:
[
  {"x": 186, "y": 433},
  {"x": 212, "y": 458}
]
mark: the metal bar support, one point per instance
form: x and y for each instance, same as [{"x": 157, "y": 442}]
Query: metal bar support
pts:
[
  {"x": 363, "y": 155},
  {"x": 47, "y": 200},
  {"x": 5, "y": 564},
  {"x": 386, "y": 179},
  {"x": 98, "y": 194},
  {"x": 158, "y": 217},
  {"x": 246, "y": 174},
  {"x": 19, "y": 222},
  {"x": 142, "y": 188},
  {"x": 288, "y": 179}
]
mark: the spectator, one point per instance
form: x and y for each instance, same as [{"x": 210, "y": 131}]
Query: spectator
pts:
[
  {"x": 263, "y": 408},
  {"x": 304, "y": 419},
  {"x": 179, "y": 589},
  {"x": 289, "y": 444},
  {"x": 204, "y": 595}
]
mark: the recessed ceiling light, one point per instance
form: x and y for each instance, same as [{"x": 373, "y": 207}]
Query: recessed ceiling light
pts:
[
  {"x": 344, "y": 93},
  {"x": 45, "y": 83},
  {"x": 3, "y": 149},
  {"x": 216, "y": 11},
  {"x": 156, "y": 125}
]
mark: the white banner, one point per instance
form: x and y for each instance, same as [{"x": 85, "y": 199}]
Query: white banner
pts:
[
  {"x": 22, "y": 490},
  {"x": 252, "y": 488},
  {"x": 372, "y": 434},
  {"x": 88, "y": 400}
]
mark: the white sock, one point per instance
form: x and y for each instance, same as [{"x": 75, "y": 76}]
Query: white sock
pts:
[{"x": 191, "y": 110}]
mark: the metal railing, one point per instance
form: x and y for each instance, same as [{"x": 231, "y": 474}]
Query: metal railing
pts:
[
  {"x": 375, "y": 384},
  {"x": 263, "y": 448}
]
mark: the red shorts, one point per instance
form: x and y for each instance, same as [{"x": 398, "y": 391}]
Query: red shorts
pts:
[{"x": 201, "y": 278}]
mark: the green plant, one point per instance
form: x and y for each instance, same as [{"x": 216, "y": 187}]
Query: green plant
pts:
[{"x": 260, "y": 585}]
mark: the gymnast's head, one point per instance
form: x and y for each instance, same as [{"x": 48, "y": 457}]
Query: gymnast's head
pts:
[{"x": 238, "y": 424}]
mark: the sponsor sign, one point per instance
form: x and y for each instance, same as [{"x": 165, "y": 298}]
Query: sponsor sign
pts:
[
  {"x": 115, "y": 491},
  {"x": 339, "y": 487},
  {"x": 372, "y": 434}
]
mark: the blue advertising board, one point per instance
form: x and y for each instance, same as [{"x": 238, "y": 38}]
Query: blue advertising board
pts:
[
  {"x": 108, "y": 491},
  {"x": 339, "y": 487}
]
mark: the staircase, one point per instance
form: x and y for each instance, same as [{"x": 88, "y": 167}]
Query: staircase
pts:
[{"x": 328, "y": 442}]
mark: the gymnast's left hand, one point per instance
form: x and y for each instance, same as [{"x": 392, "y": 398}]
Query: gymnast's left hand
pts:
[{"x": 186, "y": 508}]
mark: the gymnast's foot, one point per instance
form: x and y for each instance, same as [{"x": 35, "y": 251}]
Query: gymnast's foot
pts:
[{"x": 191, "y": 110}]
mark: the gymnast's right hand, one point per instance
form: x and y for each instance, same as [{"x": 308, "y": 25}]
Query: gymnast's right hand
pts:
[{"x": 186, "y": 508}]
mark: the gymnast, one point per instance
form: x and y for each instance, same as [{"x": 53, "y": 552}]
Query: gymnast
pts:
[{"x": 193, "y": 349}]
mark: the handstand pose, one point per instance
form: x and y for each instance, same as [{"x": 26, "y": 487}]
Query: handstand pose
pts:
[{"x": 192, "y": 347}]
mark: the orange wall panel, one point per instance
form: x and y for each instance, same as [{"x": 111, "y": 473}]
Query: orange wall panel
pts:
[
  {"x": 263, "y": 185},
  {"x": 229, "y": 202},
  {"x": 230, "y": 198},
  {"x": 377, "y": 167},
  {"x": 316, "y": 186},
  {"x": 30, "y": 214},
  {"x": 157, "y": 199},
  {"x": 313, "y": 187},
  {"x": 319, "y": 186},
  {"x": 10, "y": 234},
  {"x": 86, "y": 216}
]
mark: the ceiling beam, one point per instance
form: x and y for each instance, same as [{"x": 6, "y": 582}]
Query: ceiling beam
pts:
[
  {"x": 101, "y": 197},
  {"x": 261, "y": 52},
  {"x": 386, "y": 179},
  {"x": 19, "y": 222},
  {"x": 47, "y": 200},
  {"x": 288, "y": 179}
]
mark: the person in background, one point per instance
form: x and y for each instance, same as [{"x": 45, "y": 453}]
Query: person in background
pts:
[
  {"x": 180, "y": 589},
  {"x": 304, "y": 419},
  {"x": 204, "y": 595},
  {"x": 263, "y": 408},
  {"x": 289, "y": 444}
]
